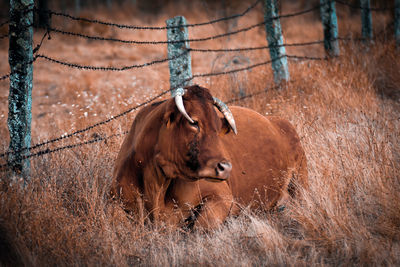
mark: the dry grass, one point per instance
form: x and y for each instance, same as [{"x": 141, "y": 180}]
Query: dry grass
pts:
[{"x": 346, "y": 112}]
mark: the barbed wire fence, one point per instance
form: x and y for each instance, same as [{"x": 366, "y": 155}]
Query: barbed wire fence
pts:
[{"x": 30, "y": 150}]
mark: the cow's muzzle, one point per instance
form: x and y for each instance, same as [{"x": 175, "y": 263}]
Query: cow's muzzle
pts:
[
  {"x": 218, "y": 173},
  {"x": 223, "y": 170}
]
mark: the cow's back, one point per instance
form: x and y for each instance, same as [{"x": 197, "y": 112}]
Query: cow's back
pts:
[{"x": 265, "y": 154}]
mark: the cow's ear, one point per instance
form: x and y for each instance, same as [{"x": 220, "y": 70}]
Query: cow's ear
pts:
[
  {"x": 169, "y": 115},
  {"x": 225, "y": 127},
  {"x": 170, "y": 118}
]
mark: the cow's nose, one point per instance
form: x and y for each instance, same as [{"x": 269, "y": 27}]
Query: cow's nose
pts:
[{"x": 223, "y": 169}]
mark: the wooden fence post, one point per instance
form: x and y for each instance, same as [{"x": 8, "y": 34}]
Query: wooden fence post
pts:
[
  {"x": 397, "y": 22},
  {"x": 275, "y": 41},
  {"x": 180, "y": 68},
  {"x": 329, "y": 24},
  {"x": 366, "y": 20},
  {"x": 20, "y": 57}
]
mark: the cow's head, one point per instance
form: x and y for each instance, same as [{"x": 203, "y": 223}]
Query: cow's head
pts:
[{"x": 189, "y": 144}]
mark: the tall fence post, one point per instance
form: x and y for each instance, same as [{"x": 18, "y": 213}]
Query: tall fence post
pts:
[
  {"x": 20, "y": 58},
  {"x": 366, "y": 20},
  {"x": 329, "y": 24},
  {"x": 275, "y": 41},
  {"x": 397, "y": 22},
  {"x": 180, "y": 68}
]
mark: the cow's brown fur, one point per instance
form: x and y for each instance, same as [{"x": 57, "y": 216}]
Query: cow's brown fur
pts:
[{"x": 164, "y": 160}]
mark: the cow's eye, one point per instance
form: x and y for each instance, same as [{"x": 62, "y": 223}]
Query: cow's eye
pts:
[{"x": 194, "y": 125}]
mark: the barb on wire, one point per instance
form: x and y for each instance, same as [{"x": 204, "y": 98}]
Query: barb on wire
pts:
[
  {"x": 6, "y": 76},
  {"x": 4, "y": 23},
  {"x": 360, "y": 7},
  {"x": 245, "y": 29},
  {"x": 3, "y": 36},
  {"x": 101, "y": 68},
  {"x": 134, "y": 27},
  {"x": 48, "y": 151}
]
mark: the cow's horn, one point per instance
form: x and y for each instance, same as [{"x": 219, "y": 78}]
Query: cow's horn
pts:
[
  {"x": 227, "y": 113},
  {"x": 177, "y": 94}
]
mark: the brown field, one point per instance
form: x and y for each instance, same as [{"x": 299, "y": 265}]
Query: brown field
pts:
[{"x": 345, "y": 110}]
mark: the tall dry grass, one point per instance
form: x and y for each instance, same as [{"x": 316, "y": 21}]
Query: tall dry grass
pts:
[{"x": 346, "y": 112}]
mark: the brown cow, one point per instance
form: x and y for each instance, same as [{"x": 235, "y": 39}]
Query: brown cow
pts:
[{"x": 176, "y": 165}]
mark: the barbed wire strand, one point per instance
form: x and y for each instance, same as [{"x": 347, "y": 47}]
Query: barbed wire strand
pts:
[
  {"x": 242, "y": 49},
  {"x": 98, "y": 139},
  {"x": 102, "y": 68},
  {"x": 58, "y": 149},
  {"x": 134, "y": 27},
  {"x": 245, "y": 29},
  {"x": 95, "y": 68},
  {"x": 99, "y": 38},
  {"x": 98, "y": 123},
  {"x": 148, "y": 102},
  {"x": 254, "y": 94},
  {"x": 89, "y": 67},
  {"x": 6, "y": 76},
  {"x": 86, "y": 128},
  {"x": 360, "y": 7},
  {"x": 202, "y": 75}
]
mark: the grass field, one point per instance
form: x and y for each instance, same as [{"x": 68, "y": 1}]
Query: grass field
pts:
[{"x": 346, "y": 111}]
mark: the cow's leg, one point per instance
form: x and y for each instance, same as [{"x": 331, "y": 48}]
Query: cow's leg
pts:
[
  {"x": 216, "y": 203},
  {"x": 172, "y": 215},
  {"x": 200, "y": 204},
  {"x": 214, "y": 211}
]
